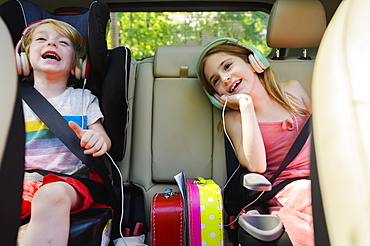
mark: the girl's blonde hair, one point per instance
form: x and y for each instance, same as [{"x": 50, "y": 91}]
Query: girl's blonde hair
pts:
[
  {"x": 268, "y": 78},
  {"x": 64, "y": 29}
]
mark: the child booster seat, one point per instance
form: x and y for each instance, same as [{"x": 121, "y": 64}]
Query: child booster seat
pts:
[{"x": 107, "y": 79}]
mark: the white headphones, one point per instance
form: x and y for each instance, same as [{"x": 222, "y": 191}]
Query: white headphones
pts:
[{"x": 23, "y": 66}]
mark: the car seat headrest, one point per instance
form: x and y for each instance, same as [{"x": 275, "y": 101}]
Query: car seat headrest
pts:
[
  {"x": 32, "y": 13},
  {"x": 296, "y": 24},
  {"x": 176, "y": 61}
]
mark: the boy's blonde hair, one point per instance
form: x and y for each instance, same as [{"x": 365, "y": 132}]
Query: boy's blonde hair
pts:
[
  {"x": 268, "y": 78},
  {"x": 64, "y": 29}
]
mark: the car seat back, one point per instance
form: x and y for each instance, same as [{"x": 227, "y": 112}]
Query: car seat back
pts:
[
  {"x": 9, "y": 87},
  {"x": 174, "y": 124},
  {"x": 125, "y": 164},
  {"x": 108, "y": 79},
  {"x": 12, "y": 139},
  {"x": 295, "y": 24},
  {"x": 298, "y": 25},
  {"x": 341, "y": 106}
]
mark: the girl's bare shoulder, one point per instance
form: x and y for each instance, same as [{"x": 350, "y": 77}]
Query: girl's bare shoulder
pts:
[
  {"x": 292, "y": 86},
  {"x": 295, "y": 88}
]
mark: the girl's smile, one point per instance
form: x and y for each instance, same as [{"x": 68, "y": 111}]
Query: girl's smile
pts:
[{"x": 235, "y": 86}]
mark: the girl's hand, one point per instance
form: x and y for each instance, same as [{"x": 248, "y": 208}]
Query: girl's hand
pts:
[
  {"x": 235, "y": 101},
  {"x": 92, "y": 141}
]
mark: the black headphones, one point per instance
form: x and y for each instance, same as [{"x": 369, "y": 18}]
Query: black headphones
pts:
[{"x": 23, "y": 66}]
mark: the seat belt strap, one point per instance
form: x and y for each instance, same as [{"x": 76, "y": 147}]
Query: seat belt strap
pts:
[{"x": 295, "y": 149}]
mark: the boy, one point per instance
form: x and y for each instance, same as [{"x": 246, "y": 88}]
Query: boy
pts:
[{"x": 53, "y": 50}]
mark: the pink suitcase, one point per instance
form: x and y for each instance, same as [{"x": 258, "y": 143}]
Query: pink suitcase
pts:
[{"x": 205, "y": 212}]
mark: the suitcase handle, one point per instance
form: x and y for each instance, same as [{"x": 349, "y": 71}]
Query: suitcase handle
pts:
[
  {"x": 168, "y": 193},
  {"x": 200, "y": 181}
]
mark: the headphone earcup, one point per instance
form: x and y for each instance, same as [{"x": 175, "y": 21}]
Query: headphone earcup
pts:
[
  {"x": 85, "y": 65},
  {"x": 215, "y": 99},
  {"x": 78, "y": 69},
  {"x": 258, "y": 61},
  {"x": 23, "y": 67},
  {"x": 24, "y": 64},
  {"x": 215, "y": 102},
  {"x": 254, "y": 63},
  {"x": 82, "y": 72},
  {"x": 18, "y": 62}
]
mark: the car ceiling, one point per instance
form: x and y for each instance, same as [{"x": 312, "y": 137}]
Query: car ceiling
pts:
[{"x": 177, "y": 5}]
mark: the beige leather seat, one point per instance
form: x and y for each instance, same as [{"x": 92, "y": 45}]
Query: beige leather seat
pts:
[
  {"x": 296, "y": 25},
  {"x": 124, "y": 165},
  {"x": 8, "y": 85},
  {"x": 341, "y": 105},
  {"x": 11, "y": 141},
  {"x": 174, "y": 126}
]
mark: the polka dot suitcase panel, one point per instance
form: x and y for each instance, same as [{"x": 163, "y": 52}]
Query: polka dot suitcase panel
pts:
[
  {"x": 168, "y": 219},
  {"x": 205, "y": 213}
]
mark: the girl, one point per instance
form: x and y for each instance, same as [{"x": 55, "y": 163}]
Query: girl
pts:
[
  {"x": 263, "y": 120},
  {"x": 53, "y": 49}
]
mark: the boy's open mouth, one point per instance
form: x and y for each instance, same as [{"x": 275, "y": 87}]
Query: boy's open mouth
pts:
[{"x": 51, "y": 55}]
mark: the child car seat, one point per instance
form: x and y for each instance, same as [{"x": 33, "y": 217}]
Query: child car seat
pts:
[
  {"x": 290, "y": 26},
  {"x": 265, "y": 230},
  {"x": 107, "y": 79}
]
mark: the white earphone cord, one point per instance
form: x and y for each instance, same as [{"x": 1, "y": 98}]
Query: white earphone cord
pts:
[
  {"x": 122, "y": 197},
  {"x": 114, "y": 164},
  {"x": 232, "y": 175},
  {"x": 231, "y": 143},
  {"x": 82, "y": 107}
]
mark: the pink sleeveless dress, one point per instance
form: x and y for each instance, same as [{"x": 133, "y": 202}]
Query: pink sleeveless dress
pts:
[{"x": 293, "y": 203}]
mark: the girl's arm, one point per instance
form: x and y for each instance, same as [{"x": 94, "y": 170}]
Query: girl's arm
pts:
[
  {"x": 244, "y": 131},
  {"x": 95, "y": 140}
]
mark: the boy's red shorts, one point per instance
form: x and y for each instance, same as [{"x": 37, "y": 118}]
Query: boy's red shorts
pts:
[{"x": 30, "y": 187}]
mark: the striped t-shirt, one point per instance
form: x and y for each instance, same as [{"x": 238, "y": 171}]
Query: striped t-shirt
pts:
[{"x": 43, "y": 149}]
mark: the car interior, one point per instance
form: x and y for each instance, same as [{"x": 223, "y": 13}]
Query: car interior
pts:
[{"x": 167, "y": 125}]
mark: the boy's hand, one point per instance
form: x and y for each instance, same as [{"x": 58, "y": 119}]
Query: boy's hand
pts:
[{"x": 92, "y": 141}]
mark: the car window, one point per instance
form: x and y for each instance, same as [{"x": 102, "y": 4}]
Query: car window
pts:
[{"x": 142, "y": 32}]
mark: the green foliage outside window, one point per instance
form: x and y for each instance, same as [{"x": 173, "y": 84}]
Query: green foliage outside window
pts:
[{"x": 142, "y": 32}]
